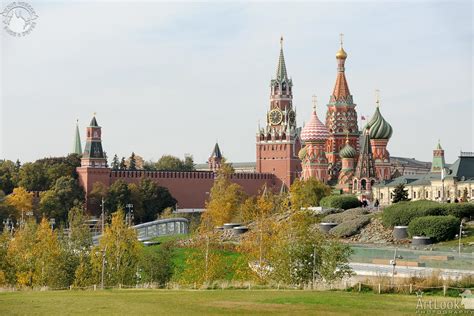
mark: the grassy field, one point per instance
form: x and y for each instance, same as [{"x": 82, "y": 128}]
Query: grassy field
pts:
[{"x": 208, "y": 302}]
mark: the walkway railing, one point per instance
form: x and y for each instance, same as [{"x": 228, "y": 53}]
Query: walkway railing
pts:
[{"x": 160, "y": 227}]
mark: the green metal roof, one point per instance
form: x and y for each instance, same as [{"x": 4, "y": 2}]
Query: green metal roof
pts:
[{"x": 77, "y": 147}]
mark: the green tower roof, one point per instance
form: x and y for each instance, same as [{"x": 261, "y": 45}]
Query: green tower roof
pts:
[
  {"x": 281, "y": 69},
  {"x": 94, "y": 122},
  {"x": 77, "y": 147},
  {"x": 379, "y": 127},
  {"x": 348, "y": 151}
]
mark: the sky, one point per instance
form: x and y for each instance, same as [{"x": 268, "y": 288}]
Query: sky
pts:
[{"x": 175, "y": 77}]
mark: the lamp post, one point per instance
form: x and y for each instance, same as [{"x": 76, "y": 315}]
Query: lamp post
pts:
[
  {"x": 129, "y": 216},
  {"x": 394, "y": 264},
  {"x": 460, "y": 236},
  {"x": 102, "y": 204}
]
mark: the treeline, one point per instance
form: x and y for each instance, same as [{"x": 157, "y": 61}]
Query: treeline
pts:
[
  {"x": 165, "y": 163},
  {"x": 38, "y": 256},
  {"x": 149, "y": 199}
]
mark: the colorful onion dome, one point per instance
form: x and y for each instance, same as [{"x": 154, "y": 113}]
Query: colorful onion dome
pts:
[
  {"x": 302, "y": 153},
  {"x": 348, "y": 151},
  {"x": 314, "y": 130},
  {"x": 379, "y": 127}
]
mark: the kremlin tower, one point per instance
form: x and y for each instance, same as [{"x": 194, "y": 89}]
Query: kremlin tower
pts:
[
  {"x": 278, "y": 142},
  {"x": 438, "y": 163},
  {"x": 313, "y": 156},
  {"x": 341, "y": 117},
  {"x": 215, "y": 160}
]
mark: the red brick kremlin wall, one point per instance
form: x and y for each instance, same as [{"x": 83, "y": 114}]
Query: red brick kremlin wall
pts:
[{"x": 190, "y": 189}]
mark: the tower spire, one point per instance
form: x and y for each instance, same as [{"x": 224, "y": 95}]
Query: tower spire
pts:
[
  {"x": 281, "y": 73},
  {"x": 377, "y": 97},
  {"x": 77, "y": 147},
  {"x": 341, "y": 89}
]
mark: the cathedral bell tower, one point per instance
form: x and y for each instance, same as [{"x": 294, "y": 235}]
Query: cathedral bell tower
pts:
[
  {"x": 278, "y": 142},
  {"x": 341, "y": 117}
]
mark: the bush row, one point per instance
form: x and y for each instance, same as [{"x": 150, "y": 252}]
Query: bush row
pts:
[
  {"x": 350, "y": 227},
  {"x": 403, "y": 213},
  {"x": 344, "y": 216},
  {"x": 439, "y": 228},
  {"x": 340, "y": 201}
]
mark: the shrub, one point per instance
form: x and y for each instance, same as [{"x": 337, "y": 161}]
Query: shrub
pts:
[
  {"x": 344, "y": 216},
  {"x": 402, "y": 213},
  {"x": 350, "y": 227},
  {"x": 439, "y": 228},
  {"x": 340, "y": 201},
  {"x": 460, "y": 210}
]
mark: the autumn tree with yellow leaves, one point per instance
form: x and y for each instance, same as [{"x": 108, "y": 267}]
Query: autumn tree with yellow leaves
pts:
[
  {"x": 118, "y": 252},
  {"x": 21, "y": 200}
]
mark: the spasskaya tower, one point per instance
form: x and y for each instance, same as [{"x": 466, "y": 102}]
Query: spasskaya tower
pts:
[{"x": 278, "y": 143}]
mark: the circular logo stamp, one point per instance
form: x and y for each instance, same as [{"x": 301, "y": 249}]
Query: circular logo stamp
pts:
[{"x": 19, "y": 19}]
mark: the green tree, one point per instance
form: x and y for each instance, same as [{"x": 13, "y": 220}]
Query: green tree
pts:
[
  {"x": 33, "y": 177},
  {"x": 302, "y": 255},
  {"x": 188, "y": 164},
  {"x": 5, "y": 268},
  {"x": 400, "y": 193},
  {"x": 206, "y": 262},
  {"x": 307, "y": 193},
  {"x": 99, "y": 191},
  {"x": 123, "y": 164},
  {"x": 118, "y": 195},
  {"x": 225, "y": 202},
  {"x": 8, "y": 176},
  {"x": 21, "y": 256},
  {"x": 115, "y": 163},
  {"x": 78, "y": 248},
  {"x": 157, "y": 264},
  {"x": 57, "y": 202},
  {"x": 154, "y": 199},
  {"x": 132, "y": 164},
  {"x": 48, "y": 266},
  {"x": 80, "y": 237},
  {"x": 172, "y": 163},
  {"x": 122, "y": 251}
]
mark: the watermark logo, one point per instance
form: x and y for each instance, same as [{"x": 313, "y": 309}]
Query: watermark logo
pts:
[
  {"x": 435, "y": 306},
  {"x": 19, "y": 19},
  {"x": 468, "y": 300}
]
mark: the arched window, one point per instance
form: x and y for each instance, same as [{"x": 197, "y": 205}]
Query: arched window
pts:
[{"x": 363, "y": 184}]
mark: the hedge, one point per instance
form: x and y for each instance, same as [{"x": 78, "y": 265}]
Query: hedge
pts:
[
  {"x": 439, "y": 228},
  {"x": 344, "y": 216},
  {"x": 350, "y": 227},
  {"x": 460, "y": 210},
  {"x": 402, "y": 213},
  {"x": 340, "y": 201}
]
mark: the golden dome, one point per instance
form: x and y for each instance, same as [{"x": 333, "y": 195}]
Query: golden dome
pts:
[{"x": 341, "y": 54}]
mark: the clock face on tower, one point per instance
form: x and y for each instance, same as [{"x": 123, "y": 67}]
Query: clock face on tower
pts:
[{"x": 275, "y": 116}]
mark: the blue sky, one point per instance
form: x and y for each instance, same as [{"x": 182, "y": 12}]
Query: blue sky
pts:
[{"x": 172, "y": 78}]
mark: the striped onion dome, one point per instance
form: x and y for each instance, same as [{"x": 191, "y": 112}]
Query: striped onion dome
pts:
[
  {"x": 379, "y": 128},
  {"x": 348, "y": 151},
  {"x": 315, "y": 130}
]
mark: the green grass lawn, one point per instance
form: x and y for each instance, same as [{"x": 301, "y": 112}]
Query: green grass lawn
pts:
[{"x": 208, "y": 302}]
